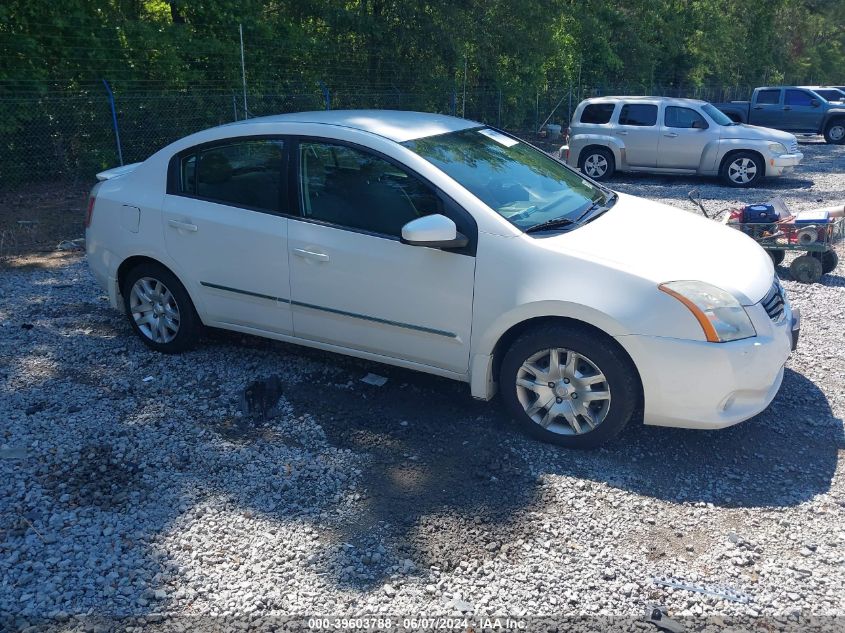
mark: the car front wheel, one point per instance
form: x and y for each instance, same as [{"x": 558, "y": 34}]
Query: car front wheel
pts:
[
  {"x": 597, "y": 163},
  {"x": 159, "y": 309},
  {"x": 834, "y": 132},
  {"x": 569, "y": 385},
  {"x": 743, "y": 169}
]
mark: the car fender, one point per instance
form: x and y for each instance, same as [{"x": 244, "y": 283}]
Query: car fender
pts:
[
  {"x": 738, "y": 144},
  {"x": 482, "y": 378},
  {"x": 580, "y": 141},
  {"x": 832, "y": 113}
]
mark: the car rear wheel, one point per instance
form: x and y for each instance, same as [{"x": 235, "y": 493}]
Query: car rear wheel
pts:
[
  {"x": 834, "y": 132},
  {"x": 569, "y": 386},
  {"x": 743, "y": 169},
  {"x": 829, "y": 260},
  {"x": 159, "y": 309},
  {"x": 806, "y": 269},
  {"x": 597, "y": 163}
]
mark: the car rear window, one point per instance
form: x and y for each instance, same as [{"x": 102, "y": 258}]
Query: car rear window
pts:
[
  {"x": 642, "y": 114},
  {"x": 768, "y": 96},
  {"x": 242, "y": 173},
  {"x": 598, "y": 113}
]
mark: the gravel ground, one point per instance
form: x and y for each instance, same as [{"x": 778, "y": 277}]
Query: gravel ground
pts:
[{"x": 131, "y": 486}]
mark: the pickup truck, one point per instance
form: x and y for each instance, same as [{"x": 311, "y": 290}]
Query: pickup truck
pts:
[{"x": 797, "y": 109}]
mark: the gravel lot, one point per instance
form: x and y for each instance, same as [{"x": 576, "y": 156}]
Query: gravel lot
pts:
[{"x": 132, "y": 486}]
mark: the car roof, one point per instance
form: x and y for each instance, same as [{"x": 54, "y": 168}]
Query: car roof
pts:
[
  {"x": 396, "y": 125},
  {"x": 669, "y": 100}
]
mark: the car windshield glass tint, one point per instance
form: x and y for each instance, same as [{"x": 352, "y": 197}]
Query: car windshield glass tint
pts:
[
  {"x": 642, "y": 114},
  {"x": 719, "y": 117},
  {"x": 831, "y": 95},
  {"x": 519, "y": 182}
]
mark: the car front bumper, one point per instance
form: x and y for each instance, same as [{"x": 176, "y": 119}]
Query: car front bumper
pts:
[
  {"x": 784, "y": 164},
  {"x": 701, "y": 385}
]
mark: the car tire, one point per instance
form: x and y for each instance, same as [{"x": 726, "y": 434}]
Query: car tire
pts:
[
  {"x": 159, "y": 309},
  {"x": 834, "y": 132},
  {"x": 806, "y": 269},
  {"x": 588, "y": 363},
  {"x": 597, "y": 163},
  {"x": 743, "y": 169},
  {"x": 829, "y": 260},
  {"x": 777, "y": 256}
]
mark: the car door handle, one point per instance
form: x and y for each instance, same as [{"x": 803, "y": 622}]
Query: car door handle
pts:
[
  {"x": 671, "y": 134},
  {"x": 306, "y": 254},
  {"x": 758, "y": 107},
  {"x": 185, "y": 226},
  {"x": 786, "y": 108}
]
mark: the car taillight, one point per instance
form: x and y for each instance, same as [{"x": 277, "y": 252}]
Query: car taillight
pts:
[{"x": 89, "y": 214}]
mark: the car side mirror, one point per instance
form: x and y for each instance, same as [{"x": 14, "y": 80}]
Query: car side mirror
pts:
[
  {"x": 815, "y": 103},
  {"x": 434, "y": 231},
  {"x": 698, "y": 124}
]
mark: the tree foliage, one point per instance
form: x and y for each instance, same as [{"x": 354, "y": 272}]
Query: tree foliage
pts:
[{"x": 418, "y": 45}]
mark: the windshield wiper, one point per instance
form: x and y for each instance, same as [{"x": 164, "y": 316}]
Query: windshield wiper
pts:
[{"x": 549, "y": 224}]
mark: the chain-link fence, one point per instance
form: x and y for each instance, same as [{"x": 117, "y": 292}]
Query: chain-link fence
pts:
[{"x": 61, "y": 137}]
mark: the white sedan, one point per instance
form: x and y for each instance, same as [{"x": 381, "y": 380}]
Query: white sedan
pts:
[{"x": 443, "y": 245}]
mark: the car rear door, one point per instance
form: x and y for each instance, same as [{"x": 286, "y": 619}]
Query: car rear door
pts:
[
  {"x": 637, "y": 128},
  {"x": 767, "y": 109},
  {"x": 683, "y": 136},
  {"x": 225, "y": 227},
  {"x": 353, "y": 282}
]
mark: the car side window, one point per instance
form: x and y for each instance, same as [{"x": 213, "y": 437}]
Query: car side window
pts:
[
  {"x": 768, "y": 96},
  {"x": 639, "y": 114},
  {"x": 683, "y": 118},
  {"x": 244, "y": 173},
  {"x": 358, "y": 190},
  {"x": 797, "y": 97},
  {"x": 597, "y": 113}
]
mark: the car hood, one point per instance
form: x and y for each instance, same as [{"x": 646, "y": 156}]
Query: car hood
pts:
[
  {"x": 662, "y": 243},
  {"x": 757, "y": 133}
]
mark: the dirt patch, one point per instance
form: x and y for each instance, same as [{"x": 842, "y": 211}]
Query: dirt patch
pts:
[{"x": 38, "y": 217}]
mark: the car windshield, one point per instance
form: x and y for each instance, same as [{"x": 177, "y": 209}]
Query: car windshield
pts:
[
  {"x": 719, "y": 117},
  {"x": 831, "y": 94},
  {"x": 522, "y": 184}
]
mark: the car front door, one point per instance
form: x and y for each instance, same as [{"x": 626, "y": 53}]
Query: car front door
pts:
[
  {"x": 799, "y": 112},
  {"x": 683, "y": 136},
  {"x": 354, "y": 283},
  {"x": 637, "y": 128},
  {"x": 225, "y": 227}
]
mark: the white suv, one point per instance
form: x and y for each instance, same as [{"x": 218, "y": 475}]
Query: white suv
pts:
[
  {"x": 442, "y": 245},
  {"x": 674, "y": 136}
]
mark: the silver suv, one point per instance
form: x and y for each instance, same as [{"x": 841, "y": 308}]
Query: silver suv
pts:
[{"x": 674, "y": 136}]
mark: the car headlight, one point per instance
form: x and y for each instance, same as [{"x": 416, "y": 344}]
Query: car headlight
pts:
[
  {"x": 778, "y": 148},
  {"x": 719, "y": 313}
]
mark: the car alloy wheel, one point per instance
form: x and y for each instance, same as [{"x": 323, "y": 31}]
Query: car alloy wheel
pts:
[
  {"x": 836, "y": 132},
  {"x": 742, "y": 170},
  {"x": 563, "y": 392},
  {"x": 154, "y": 310},
  {"x": 595, "y": 166}
]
